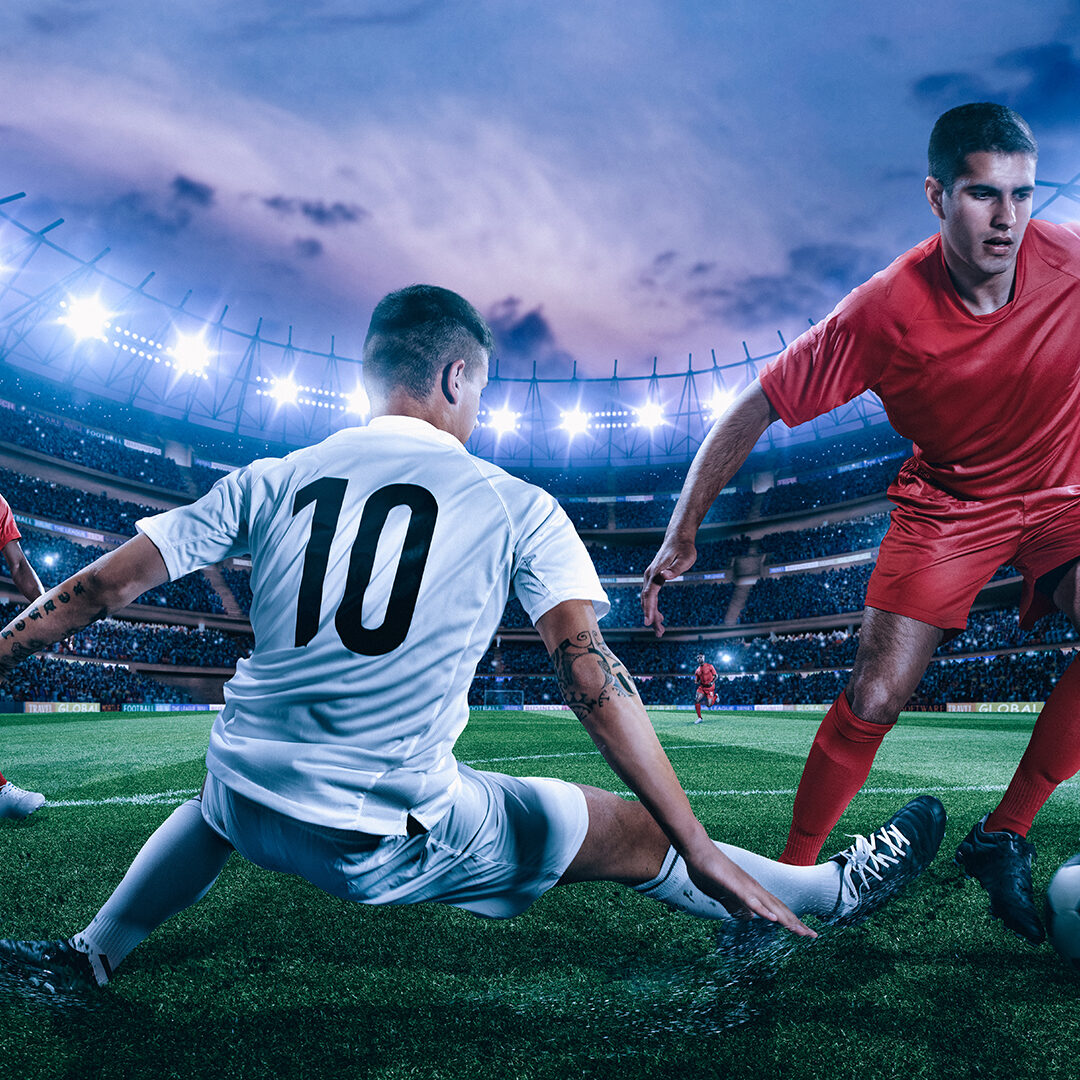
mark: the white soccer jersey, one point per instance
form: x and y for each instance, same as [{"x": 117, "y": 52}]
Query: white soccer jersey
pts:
[{"x": 382, "y": 559}]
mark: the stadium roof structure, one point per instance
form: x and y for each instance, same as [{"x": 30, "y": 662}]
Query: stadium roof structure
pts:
[{"x": 69, "y": 320}]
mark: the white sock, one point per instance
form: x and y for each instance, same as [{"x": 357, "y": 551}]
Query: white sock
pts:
[
  {"x": 174, "y": 869},
  {"x": 807, "y": 890}
]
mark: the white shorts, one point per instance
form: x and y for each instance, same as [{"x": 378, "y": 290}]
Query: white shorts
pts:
[{"x": 504, "y": 842}]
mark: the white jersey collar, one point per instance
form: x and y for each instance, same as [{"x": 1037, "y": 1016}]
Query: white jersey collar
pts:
[{"x": 413, "y": 426}]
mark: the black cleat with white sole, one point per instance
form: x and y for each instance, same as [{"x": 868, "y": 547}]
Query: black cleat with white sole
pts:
[
  {"x": 877, "y": 867},
  {"x": 1001, "y": 862}
]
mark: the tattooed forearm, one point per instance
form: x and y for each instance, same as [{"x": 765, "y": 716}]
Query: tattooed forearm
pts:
[
  {"x": 62, "y": 612},
  {"x": 589, "y": 673}
]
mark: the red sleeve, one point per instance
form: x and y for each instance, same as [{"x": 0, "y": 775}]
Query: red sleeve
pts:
[
  {"x": 8, "y": 529},
  {"x": 839, "y": 358}
]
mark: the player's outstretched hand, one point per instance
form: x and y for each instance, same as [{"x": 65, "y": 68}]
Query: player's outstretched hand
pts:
[
  {"x": 675, "y": 557},
  {"x": 727, "y": 882}
]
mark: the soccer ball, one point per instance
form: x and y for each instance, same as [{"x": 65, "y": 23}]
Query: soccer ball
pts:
[{"x": 1063, "y": 911}]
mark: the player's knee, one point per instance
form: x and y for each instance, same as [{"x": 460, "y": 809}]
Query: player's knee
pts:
[{"x": 877, "y": 700}]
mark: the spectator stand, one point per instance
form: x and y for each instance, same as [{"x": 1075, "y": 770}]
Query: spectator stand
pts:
[{"x": 65, "y": 452}]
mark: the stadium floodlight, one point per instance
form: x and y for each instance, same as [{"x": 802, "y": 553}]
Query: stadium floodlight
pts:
[
  {"x": 725, "y": 658},
  {"x": 504, "y": 420},
  {"x": 575, "y": 422},
  {"x": 50, "y": 559},
  {"x": 358, "y": 402},
  {"x": 190, "y": 354},
  {"x": 86, "y": 317},
  {"x": 284, "y": 390},
  {"x": 719, "y": 402},
  {"x": 650, "y": 415}
]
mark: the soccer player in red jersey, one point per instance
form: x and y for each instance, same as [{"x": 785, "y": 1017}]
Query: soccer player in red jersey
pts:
[
  {"x": 14, "y": 801},
  {"x": 970, "y": 339},
  {"x": 705, "y": 674}
]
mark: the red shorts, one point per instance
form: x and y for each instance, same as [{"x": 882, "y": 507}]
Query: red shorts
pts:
[
  {"x": 941, "y": 550},
  {"x": 709, "y": 692}
]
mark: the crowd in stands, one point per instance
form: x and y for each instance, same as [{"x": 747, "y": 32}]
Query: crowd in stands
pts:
[
  {"x": 204, "y": 477},
  {"x": 627, "y": 559},
  {"x": 830, "y": 538},
  {"x": 772, "y": 668},
  {"x": 29, "y": 495},
  {"x": 52, "y": 679},
  {"x": 191, "y": 593},
  {"x": 1012, "y": 677},
  {"x": 37, "y": 432},
  {"x": 644, "y": 513},
  {"x": 801, "y": 596},
  {"x": 239, "y": 582},
  {"x": 605, "y": 480},
  {"x": 683, "y": 605},
  {"x": 55, "y": 559},
  {"x": 806, "y": 458},
  {"x": 999, "y": 628},
  {"x": 735, "y": 506},
  {"x": 827, "y": 490},
  {"x": 588, "y": 515},
  {"x": 150, "y": 643}
]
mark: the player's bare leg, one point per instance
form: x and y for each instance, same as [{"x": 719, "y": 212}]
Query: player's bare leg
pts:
[
  {"x": 892, "y": 657},
  {"x": 996, "y": 851},
  {"x": 625, "y": 844}
]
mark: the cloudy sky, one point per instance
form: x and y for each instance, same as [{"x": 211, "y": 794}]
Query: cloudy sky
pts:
[{"x": 604, "y": 180}]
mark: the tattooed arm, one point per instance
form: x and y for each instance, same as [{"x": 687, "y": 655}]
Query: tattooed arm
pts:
[
  {"x": 101, "y": 588},
  {"x": 597, "y": 686},
  {"x": 600, "y": 691}
]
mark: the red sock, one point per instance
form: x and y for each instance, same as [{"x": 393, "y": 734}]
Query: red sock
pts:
[
  {"x": 1052, "y": 755},
  {"x": 836, "y": 768},
  {"x": 697, "y": 709},
  {"x": 2, "y": 780}
]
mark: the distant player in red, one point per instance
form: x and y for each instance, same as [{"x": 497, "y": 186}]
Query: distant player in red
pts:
[
  {"x": 14, "y": 801},
  {"x": 705, "y": 674},
  {"x": 972, "y": 342}
]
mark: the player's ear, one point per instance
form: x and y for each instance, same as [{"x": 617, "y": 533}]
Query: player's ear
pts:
[
  {"x": 935, "y": 192},
  {"x": 452, "y": 376}
]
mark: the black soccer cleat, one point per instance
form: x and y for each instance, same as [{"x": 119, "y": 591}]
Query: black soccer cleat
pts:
[
  {"x": 1001, "y": 862},
  {"x": 877, "y": 867},
  {"x": 54, "y": 970}
]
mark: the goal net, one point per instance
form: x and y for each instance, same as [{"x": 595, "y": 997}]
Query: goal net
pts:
[{"x": 504, "y": 699}]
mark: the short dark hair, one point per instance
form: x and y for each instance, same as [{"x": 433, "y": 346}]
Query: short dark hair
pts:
[
  {"x": 416, "y": 331},
  {"x": 980, "y": 127}
]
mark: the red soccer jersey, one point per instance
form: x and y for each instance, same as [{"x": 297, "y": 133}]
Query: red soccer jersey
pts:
[
  {"x": 990, "y": 401},
  {"x": 8, "y": 529},
  {"x": 705, "y": 675}
]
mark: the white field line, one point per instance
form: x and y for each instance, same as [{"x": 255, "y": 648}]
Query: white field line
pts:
[
  {"x": 171, "y": 798},
  {"x": 133, "y": 800}
]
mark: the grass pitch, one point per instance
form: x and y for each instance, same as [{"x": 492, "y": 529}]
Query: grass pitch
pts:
[{"x": 267, "y": 977}]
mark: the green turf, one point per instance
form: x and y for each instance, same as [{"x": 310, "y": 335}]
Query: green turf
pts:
[{"x": 269, "y": 978}]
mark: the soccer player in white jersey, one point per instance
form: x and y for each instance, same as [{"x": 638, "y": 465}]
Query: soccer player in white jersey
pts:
[{"x": 379, "y": 550}]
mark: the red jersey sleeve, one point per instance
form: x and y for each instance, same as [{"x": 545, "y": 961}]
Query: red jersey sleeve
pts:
[
  {"x": 839, "y": 358},
  {"x": 8, "y": 529}
]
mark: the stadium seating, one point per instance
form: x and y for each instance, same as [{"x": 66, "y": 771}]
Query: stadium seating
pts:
[
  {"x": 36, "y": 432},
  {"x": 770, "y": 667},
  {"x": 834, "y": 538},
  {"x": 239, "y": 582},
  {"x": 51, "y": 679},
  {"x": 829, "y": 490},
  {"x": 803, "y": 596}
]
